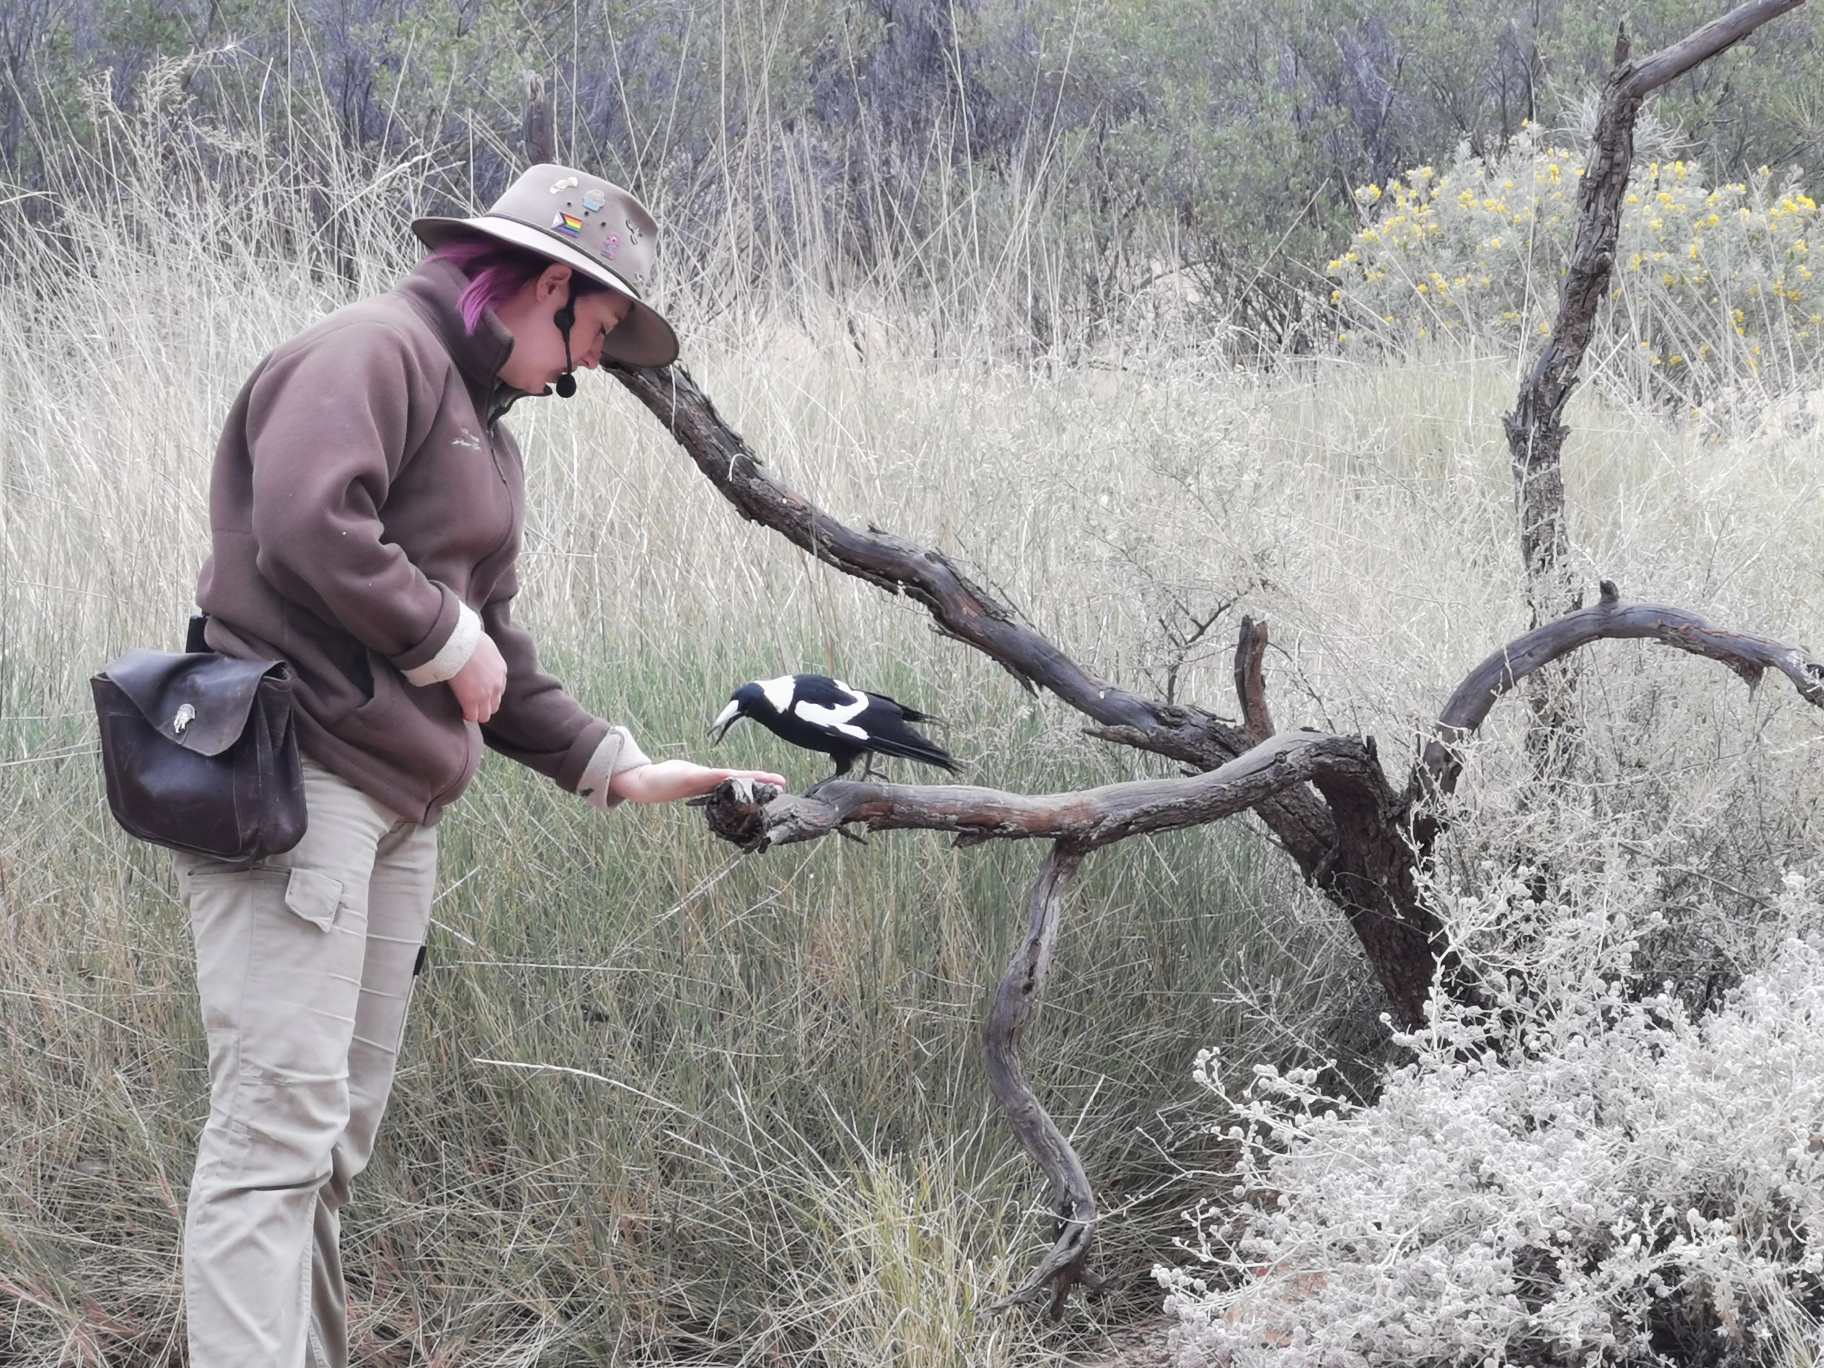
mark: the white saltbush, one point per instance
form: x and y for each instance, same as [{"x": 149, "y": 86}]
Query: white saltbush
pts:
[{"x": 1596, "y": 1179}]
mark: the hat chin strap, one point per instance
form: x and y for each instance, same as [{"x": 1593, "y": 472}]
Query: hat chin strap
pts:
[{"x": 565, "y": 318}]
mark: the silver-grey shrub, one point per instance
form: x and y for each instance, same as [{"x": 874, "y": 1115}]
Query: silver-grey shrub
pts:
[{"x": 1591, "y": 1176}]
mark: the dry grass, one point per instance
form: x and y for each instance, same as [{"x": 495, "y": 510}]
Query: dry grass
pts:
[{"x": 737, "y": 1114}]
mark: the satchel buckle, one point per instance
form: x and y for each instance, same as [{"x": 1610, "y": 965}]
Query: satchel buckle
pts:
[{"x": 184, "y": 717}]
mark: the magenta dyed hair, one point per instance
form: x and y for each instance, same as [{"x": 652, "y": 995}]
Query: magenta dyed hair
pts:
[{"x": 497, "y": 271}]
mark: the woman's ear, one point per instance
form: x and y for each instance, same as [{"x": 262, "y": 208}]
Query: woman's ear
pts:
[{"x": 555, "y": 281}]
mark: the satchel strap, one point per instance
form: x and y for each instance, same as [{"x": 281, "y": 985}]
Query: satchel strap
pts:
[{"x": 199, "y": 701}]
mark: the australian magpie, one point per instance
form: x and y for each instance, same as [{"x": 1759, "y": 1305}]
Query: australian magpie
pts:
[{"x": 823, "y": 714}]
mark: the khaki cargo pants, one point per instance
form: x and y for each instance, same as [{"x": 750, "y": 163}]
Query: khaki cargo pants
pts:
[{"x": 304, "y": 965}]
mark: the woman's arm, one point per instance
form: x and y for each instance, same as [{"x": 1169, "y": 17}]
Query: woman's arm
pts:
[
  {"x": 327, "y": 425},
  {"x": 668, "y": 780}
]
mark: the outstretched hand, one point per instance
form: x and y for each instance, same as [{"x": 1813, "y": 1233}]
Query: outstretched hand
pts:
[{"x": 669, "y": 780}]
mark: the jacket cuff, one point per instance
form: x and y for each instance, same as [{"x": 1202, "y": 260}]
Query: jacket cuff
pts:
[
  {"x": 617, "y": 752},
  {"x": 464, "y": 637}
]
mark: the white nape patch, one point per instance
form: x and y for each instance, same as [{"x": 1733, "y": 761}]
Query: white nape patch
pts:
[
  {"x": 836, "y": 719},
  {"x": 726, "y": 715},
  {"x": 778, "y": 692}
]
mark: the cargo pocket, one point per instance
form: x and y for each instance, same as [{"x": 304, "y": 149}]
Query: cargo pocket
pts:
[{"x": 314, "y": 896}]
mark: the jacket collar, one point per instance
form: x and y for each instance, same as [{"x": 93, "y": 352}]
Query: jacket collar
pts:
[{"x": 433, "y": 289}]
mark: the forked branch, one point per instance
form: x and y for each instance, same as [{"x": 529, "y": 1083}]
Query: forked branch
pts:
[
  {"x": 1535, "y": 429},
  {"x": 1073, "y": 1202}
]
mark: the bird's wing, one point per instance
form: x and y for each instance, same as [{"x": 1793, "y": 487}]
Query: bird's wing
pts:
[
  {"x": 911, "y": 746},
  {"x": 911, "y": 714},
  {"x": 837, "y": 719},
  {"x": 824, "y": 691}
]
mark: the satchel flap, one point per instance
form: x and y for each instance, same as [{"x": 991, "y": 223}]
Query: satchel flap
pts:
[{"x": 199, "y": 701}]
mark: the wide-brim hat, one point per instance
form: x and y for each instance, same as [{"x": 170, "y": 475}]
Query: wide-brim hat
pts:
[{"x": 590, "y": 225}]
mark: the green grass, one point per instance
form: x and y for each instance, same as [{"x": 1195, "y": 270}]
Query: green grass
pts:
[{"x": 779, "y": 1142}]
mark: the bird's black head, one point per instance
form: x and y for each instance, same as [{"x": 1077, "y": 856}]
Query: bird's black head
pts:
[{"x": 762, "y": 699}]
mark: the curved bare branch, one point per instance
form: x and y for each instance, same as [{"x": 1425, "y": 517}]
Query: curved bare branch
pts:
[
  {"x": 1749, "y": 656},
  {"x": 1015, "y": 1000},
  {"x": 1669, "y": 63}
]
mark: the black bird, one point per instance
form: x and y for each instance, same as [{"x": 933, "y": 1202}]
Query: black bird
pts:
[{"x": 824, "y": 714}]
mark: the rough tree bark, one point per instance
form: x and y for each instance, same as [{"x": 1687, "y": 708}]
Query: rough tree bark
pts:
[
  {"x": 1325, "y": 797},
  {"x": 1535, "y": 429},
  {"x": 1073, "y": 1201}
]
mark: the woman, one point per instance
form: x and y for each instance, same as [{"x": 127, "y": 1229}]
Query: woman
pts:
[{"x": 365, "y": 510}]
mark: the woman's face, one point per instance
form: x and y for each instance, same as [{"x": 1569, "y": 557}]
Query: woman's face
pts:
[{"x": 538, "y": 347}]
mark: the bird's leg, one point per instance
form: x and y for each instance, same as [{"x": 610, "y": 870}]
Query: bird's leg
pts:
[{"x": 842, "y": 768}]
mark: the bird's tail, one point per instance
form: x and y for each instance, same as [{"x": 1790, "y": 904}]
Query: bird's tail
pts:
[{"x": 915, "y": 748}]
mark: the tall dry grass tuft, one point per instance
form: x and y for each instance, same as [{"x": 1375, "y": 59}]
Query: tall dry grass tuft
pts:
[{"x": 666, "y": 1104}]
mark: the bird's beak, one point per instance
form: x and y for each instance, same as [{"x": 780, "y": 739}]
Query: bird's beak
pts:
[{"x": 724, "y": 720}]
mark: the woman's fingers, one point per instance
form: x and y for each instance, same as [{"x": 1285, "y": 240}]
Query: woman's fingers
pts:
[
  {"x": 757, "y": 776},
  {"x": 482, "y": 681}
]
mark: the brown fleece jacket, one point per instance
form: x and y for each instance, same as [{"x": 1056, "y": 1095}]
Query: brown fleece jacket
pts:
[{"x": 364, "y": 491}]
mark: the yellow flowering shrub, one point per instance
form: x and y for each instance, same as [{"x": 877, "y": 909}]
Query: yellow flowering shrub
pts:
[{"x": 1713, "y": 285}]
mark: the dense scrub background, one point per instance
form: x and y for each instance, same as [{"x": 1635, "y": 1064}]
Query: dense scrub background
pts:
[
  {"x": 1074, "y": 154},
  {"x": 666, "y": 1105}
]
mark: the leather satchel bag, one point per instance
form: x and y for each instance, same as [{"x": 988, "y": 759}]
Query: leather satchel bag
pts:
[{"x": 201, "y": 753}]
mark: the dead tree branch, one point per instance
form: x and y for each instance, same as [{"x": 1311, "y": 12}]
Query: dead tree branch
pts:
[
  {"x": 1088, "y": 819},
  {"x": 1535, "y": 429},
  {"x": 1441, "y": 763},
  {"x": 1250, "y": 680},
  {"x": 962, "y": 609},
  {"x": 1072, "y": 1200}
]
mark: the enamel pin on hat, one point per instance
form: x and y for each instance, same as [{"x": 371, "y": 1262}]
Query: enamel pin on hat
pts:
[{"x": 590, "y": 225}]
